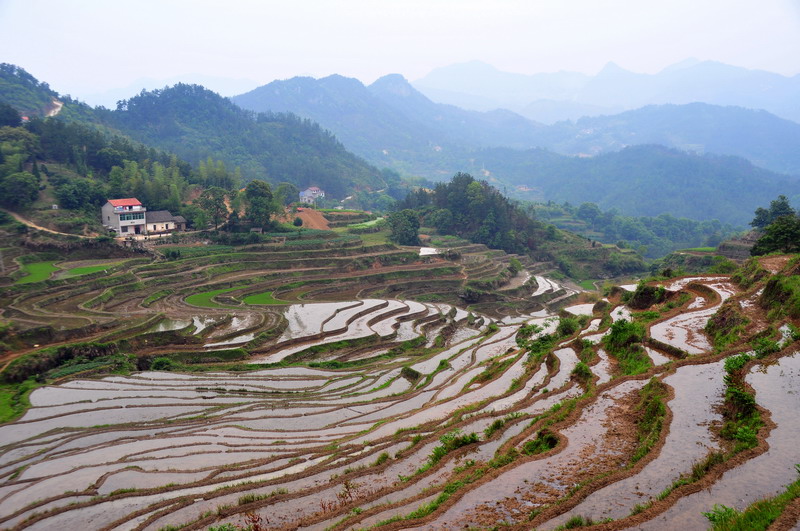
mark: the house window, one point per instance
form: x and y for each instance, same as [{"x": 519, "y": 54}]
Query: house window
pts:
[{"x": 124, "y": 228}]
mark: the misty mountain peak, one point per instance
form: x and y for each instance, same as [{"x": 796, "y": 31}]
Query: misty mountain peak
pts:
[
  {"x": 395, "y": 84},
  {"x": 612, "y": 69}
]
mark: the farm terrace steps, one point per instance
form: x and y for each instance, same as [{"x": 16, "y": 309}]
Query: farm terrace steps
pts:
[{"x": 378, "y": 384}]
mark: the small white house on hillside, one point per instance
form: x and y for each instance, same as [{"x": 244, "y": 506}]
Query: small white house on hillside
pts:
[
  {"x": 124, "y": 216},
  {"x": 310, "y": 195},
  {"x": 129, "y": 216}
]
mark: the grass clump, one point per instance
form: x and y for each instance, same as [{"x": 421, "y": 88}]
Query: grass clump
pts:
[
  {"x": 494, "y": 369},
  {"x": 758, "y": 516},
  {"x": 726, "y": 325},
  {"x": 742, "y": 419},
  {"x": 545, "y": 440},
  {"x": 382, "y": 458},
  {"x": 582, "y": 372},
  {"x": 451, "y": 440},
  {"x": 577, "y": 521},
  {"x": 494, "y": 427},
  {"x": 567, "y": 326},
  {"x": 14, "y": 399},
  {"x": 624, "y": 343},
  {"x": 652, "y": 405}
]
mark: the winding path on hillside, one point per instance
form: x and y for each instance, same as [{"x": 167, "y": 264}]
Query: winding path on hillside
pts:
[{"x": 33, "y": 225}]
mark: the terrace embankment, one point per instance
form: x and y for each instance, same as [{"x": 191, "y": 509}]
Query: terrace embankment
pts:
[{"x": 336, "y": 387}]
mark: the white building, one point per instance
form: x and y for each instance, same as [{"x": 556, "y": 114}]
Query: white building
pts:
[
  {"x": 124, "y": 216},
  {"x": 310, "y": 195},
  {"x": 129, "y": 216}
]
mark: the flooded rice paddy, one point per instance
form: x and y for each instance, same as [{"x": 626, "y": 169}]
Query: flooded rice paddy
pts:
[{"x": 363, "y": 442}]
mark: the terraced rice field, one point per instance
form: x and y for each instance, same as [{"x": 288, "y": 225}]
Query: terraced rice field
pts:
[{"x": 355, "y": 406}]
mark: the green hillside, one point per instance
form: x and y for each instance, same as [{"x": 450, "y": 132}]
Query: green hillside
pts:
[{"x": 196, "y": 123}]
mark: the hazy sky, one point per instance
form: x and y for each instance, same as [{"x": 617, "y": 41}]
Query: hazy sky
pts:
[{"x": 83, "y": 47}]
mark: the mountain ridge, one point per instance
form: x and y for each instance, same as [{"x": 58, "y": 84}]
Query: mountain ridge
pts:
[{"x": 685, "y": 82}]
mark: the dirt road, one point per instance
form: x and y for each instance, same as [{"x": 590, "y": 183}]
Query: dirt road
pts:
[{"x": 38, "y": 227}]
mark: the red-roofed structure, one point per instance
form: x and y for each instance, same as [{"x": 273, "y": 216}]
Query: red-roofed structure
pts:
[
  {"x": 130, "y": 201},
  {"x": 124, "y": 216},
  {"x": 129, "y": 216}
]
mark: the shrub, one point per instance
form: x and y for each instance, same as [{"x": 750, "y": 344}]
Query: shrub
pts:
[
  {"x": 163, "y": 364},
  {"x": 567, "y": 326},
  {"x": 545, "y": 440},
  {"x": 582, "y": 371}
]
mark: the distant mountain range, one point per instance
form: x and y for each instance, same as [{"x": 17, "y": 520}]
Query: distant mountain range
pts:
[
  {"x": 391, "y": 123},
  {"x": 699, "y": 172},
  {"x": 569, "y": 95}
]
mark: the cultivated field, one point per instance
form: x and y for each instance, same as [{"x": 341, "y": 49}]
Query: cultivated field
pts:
[{"x": 330, "y": 384}]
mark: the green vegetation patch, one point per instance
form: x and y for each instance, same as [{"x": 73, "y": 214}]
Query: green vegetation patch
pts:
[
  {"x": 262, "y": 298},
  {"x": 37, "y": 272},
  {"x": 14, "y": 399},
  {"x": 758, "y": 516},
  {"x": 78, "y": 271},
  {"x": 204, "y": 299},
  {"x": 700, "y": 249},
  {"x": 781, "y": 296},
  {"x": 624, "y": 343},
  {"x": 726, "y": 325},
  {"x": 652, "y": 405}
]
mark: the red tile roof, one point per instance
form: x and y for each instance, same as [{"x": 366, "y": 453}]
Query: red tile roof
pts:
[{"x": 131, "y": 201}]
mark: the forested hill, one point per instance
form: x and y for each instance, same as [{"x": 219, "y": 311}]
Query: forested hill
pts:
[
  {"x": 478, "y": 212},
  {"x": 196, "y": 123},
  {"x": 24, "y": 92},
  {"x": 643, "y": 180}
]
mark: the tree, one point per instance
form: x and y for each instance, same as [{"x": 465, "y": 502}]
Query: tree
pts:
[
  {"x": 260, "y": 203},
  {"x": 298, "y": 222},
  {"x": 286, "y": 193},
  {"x": 195, "y": 216},
  {"x": 212, "y": 201},
  {"x": 404, "y": 227},
  {"x": 589, "y": 212},
  {"x": 777, "y": 208},
  {"x": 9, "y": 116},
  {"x": 19, "y": 190},
  {"x": 782, "y": 235}
]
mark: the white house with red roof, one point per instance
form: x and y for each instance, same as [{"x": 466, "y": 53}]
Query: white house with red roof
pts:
[
  {"x": 124, "y": 216},
  {"x": 310, "y": 195},
  {"x": 129, "y": 216}
]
